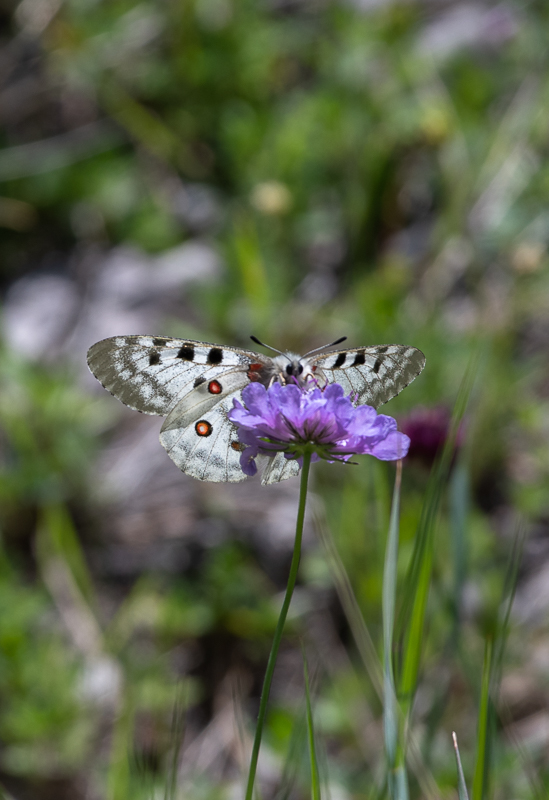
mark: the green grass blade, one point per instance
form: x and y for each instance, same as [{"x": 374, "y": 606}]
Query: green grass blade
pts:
[
  {"x": 509, "y": 588},
  {"x": 398, "y": 783},
  {"x": 65, "y": 575},
  {"x": 419, "y": 575},
  {"x": 492, "y": 670},
  {"x": 251, "y": 268},
  {"x": 119, "y": 772},
  {"x": 367, "y": 650},
  {"x": 459, "y": 501},
  {"x": 390, "y": 716},
  {"x": 65, "y": 543},
  {"x": 414, "y": 639},
  {"x": 392, "y": 725},
  {"x": 482, "y": 767},
  {"x": 508, "y": 596},
  {"x": 294, "y": 756},
  {"x": 177, "y": 733},
  {"x": 462, "y": 786},
  {"x": 315, "y": 779},
  {"x": 359, "y": 630}
]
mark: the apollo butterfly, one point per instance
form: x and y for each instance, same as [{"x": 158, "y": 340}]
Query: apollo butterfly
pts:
[{"x": 194, "y": 384}]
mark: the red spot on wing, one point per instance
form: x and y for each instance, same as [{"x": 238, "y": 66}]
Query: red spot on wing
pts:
[
  {"x": 214, "y": 387},
  {"x": 254, "y": 372},
  {"x": 203, "y": 428}
]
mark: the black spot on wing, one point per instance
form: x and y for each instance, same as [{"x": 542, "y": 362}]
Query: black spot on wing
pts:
[
  {"x": 215, "y": 356},
  {"x": 199, "y": 381},
  {"x": 154, "y": 358},
  {"x": 158, "y": 342},
  {"x": 383, "y": 348},
  {"x": 340, "y": 360},
  {"x": 186, "y": 352},
  {"x": 377, "y": 365},
  {"x": 360, "y": 358}
]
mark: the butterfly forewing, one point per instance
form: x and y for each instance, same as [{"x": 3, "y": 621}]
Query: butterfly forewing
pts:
[
  {"x": 375, "y": 374},
  {"x": 151, "y": 374}
]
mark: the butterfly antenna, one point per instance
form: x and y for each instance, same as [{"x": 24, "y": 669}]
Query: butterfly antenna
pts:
[
  {"x": 325, "y": 346},
  {"x": 268, "y": 346}
]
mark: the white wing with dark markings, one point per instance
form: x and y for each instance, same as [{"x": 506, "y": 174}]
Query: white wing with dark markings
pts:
[
  {"x": 151, "y": 373},
  {"x": 191, "y": 382},
  {"x": 208, "y": 448},
  {"x": 278, "y": 468},
  {"x": 194, "y": 385},
  {"x": 374, "y": 374}
]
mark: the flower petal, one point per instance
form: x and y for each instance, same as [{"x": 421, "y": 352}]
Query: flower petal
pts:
[
  {"x": 392, "y": 448},
  {"x": 287, "y": 418}
]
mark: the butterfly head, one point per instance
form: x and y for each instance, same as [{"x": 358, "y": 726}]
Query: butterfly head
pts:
[{"x": 292, "y": 368}]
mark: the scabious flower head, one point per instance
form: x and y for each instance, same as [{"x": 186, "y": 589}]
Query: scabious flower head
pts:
[
  {"x": 294, "y": 421},
  {"x": 428, "y": 429}
]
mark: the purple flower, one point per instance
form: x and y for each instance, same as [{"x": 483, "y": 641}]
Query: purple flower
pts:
[
  {"x": 428, "y": 429},
  {"x": 291, "y": 420}
]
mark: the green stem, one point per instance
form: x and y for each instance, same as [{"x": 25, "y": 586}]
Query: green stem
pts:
[
  {"x": 292, "y": 577},
  {"x": 315, "y": 780}
]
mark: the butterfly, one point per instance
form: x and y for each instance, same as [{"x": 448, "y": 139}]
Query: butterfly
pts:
[{"x": 194, "y": 384}]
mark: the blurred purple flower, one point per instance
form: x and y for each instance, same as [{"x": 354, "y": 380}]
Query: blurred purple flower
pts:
[
  {"x": 290, "y": 420},
  {"x": 428, "y": 429}
]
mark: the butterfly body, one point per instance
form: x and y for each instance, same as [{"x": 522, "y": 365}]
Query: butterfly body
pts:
[
  {"x": 285, "y": 368},
  {"x": 194, "y": 385}
]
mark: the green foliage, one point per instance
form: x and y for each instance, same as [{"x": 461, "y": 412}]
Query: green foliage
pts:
[
  {"x": 363, "y": 183},
  {"x": 315, "y": 778},
  {"x": 40, "y": 721}
]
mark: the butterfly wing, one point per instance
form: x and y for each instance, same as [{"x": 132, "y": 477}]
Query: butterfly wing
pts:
[
  {"x": 199, "y": 437},
  {"x": 195, "y": 383},
  {"x": 152, "y": 373},
  {"x": 191, "y": 382},
  {"x": 375, "y": 374},
  {"x": 278, "y": 468}
]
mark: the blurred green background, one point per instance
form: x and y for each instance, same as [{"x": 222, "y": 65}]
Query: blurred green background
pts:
[{"x": 298, "y": 170}]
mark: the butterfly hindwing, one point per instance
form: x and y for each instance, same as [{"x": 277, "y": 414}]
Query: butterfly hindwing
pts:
[
  {"x": 151, "y": 373},
  {"x": 208, "y": 448},
  {"x": 375, "y": 374},
  {"x": 278, "y": 468}
]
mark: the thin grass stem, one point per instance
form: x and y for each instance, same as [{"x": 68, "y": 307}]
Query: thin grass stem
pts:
[
  {"x": 392, "y": 719},
  {"x": 462, "y": 786},
  {"x": 315, "y": 779},
  {"x": 480, "y": 780}
]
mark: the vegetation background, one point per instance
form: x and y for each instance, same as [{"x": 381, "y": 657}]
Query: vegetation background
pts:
[{"x": 298, "y": 170}]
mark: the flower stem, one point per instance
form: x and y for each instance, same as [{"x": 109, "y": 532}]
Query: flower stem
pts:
[{"x": 292, "y": 577}]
